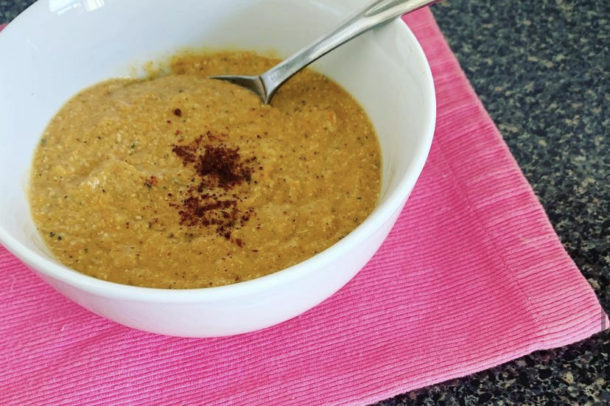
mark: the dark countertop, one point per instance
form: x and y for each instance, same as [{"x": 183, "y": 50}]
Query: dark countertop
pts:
[{"x": 541, "y": 69}]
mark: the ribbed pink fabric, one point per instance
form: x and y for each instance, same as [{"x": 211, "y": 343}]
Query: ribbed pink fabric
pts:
[{"x": 472, "y": 275}]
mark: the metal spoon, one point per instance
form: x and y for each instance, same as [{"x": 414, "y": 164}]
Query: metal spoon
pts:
[{"x": 379, "y": 12}]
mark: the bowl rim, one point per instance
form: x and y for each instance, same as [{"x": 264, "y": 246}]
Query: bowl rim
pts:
[{"x": 393, "y": 203}]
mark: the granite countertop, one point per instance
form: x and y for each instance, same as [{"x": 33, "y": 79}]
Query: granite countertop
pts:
[{"x": 541, "y": 70}]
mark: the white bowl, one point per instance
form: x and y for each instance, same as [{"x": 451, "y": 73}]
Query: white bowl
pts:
[{"x": 56, "y": 48}]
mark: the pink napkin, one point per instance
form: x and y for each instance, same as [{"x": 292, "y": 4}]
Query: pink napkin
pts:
[{"x": 471, "y": 276}]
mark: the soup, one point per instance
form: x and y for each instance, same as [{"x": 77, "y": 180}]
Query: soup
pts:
[{"x": 180, "y": 181}]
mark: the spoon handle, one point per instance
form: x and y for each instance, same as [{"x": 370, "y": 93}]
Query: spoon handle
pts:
[{"x": 379, "y": 12}]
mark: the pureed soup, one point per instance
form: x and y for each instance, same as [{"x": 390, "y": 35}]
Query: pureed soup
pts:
[{"x": 180, "y": 181}]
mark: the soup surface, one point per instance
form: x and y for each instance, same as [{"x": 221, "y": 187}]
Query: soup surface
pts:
[{"x": 179, "y": 181}]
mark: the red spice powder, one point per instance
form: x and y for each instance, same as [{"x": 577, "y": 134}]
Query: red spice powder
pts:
[
  {"x": 210, "y": 200},
  {"x": 224, "y": 165}
]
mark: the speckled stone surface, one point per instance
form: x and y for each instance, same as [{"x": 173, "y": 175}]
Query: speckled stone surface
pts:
[{"x": 542, "y": 70}]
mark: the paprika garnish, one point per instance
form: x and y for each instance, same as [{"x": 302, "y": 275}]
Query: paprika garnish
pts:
[{"x": 210, "y": 200}]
